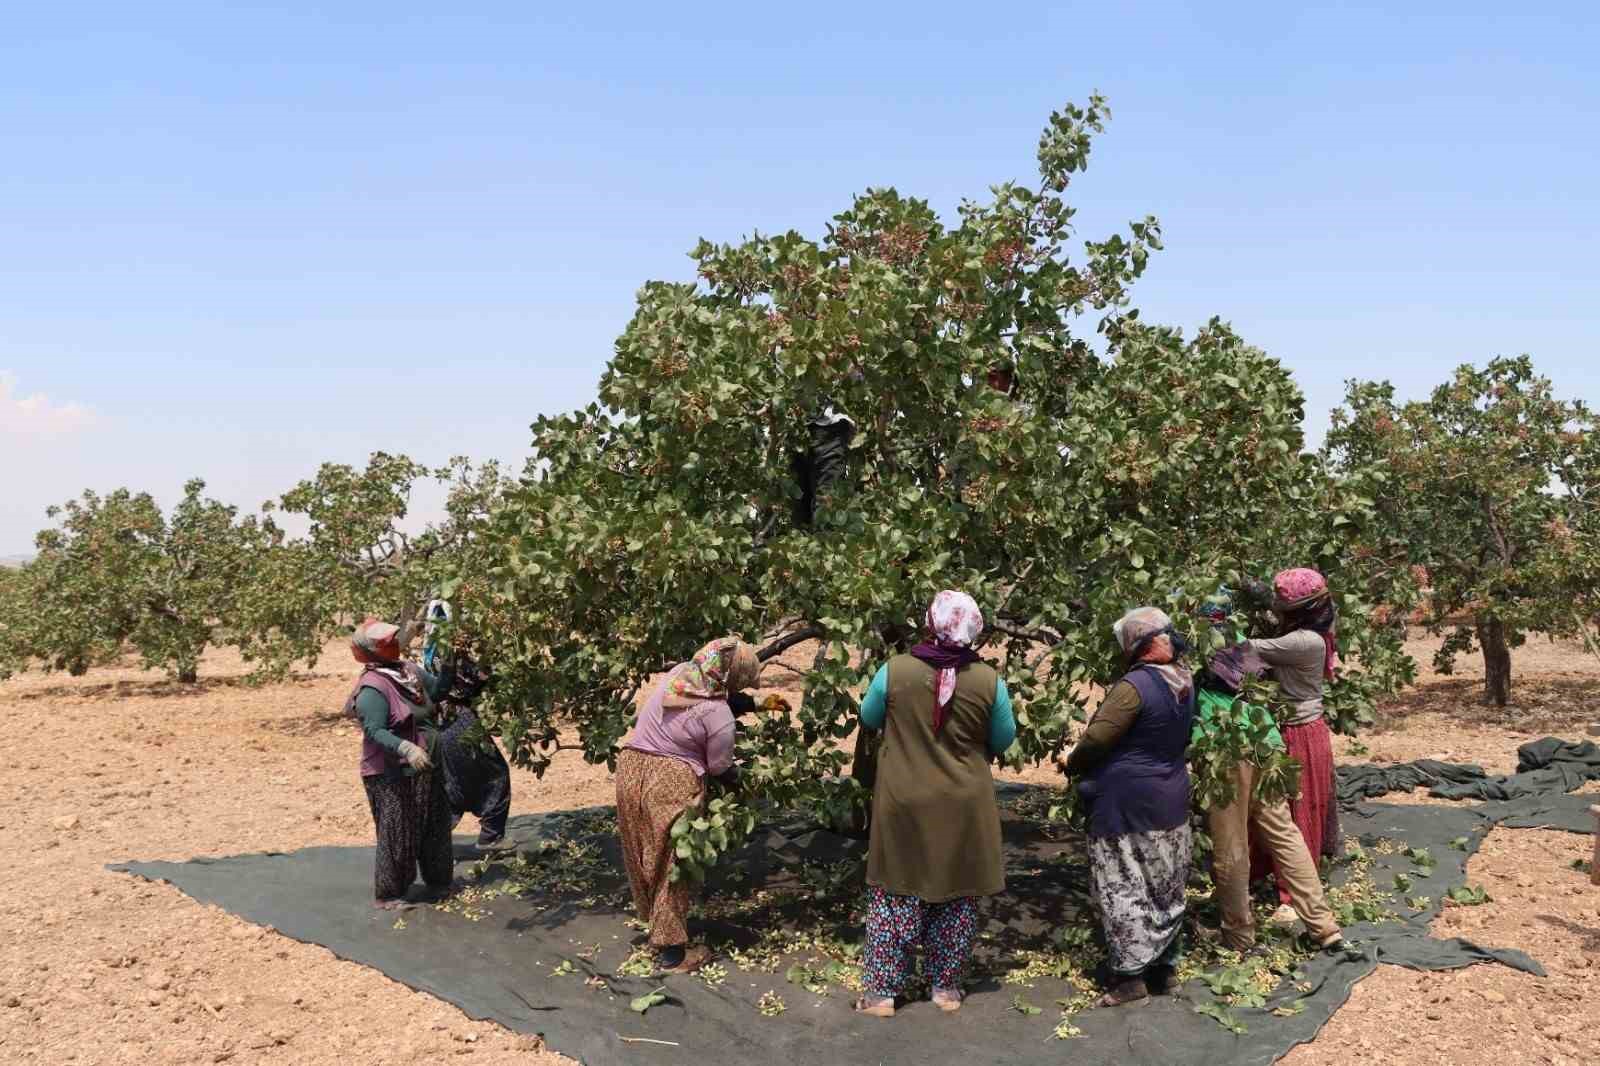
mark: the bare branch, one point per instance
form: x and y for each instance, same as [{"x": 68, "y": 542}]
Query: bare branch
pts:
[
  {"x": 1042, "y": 635},
  {"x": 783, "y": 644}
]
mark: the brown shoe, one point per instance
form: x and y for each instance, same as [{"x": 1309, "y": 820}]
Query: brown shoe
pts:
[
  {"x": 1128, "y": 990},
  {"x": 693, "y": 959}
]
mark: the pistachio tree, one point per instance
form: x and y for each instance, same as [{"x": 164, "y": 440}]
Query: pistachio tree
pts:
[
  {"x": 1491, "y": 490},
  {"x": 116, "y": 573},
  {"x": 1018, "y": 432}
]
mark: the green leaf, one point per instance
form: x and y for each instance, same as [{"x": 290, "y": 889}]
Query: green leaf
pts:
[
  {"x": 1022, "y": 1006},
  {"x": 641, "y": 1004},
  {"x": 1222, "y": 1017}
]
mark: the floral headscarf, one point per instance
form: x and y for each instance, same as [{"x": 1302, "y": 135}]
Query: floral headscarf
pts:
[
  {"x": 955, "y": 622},
  {"x": 1136, "y": 631},
  {"x": 1302, "y": 596},
  {"x": 721, "y": 668}
]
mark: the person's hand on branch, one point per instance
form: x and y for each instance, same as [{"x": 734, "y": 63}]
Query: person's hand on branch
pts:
[{"x": 1061, "y": 757}]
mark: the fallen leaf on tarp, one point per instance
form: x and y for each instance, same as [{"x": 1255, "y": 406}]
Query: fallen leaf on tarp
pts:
[
  {"x": 1222, "y": 1017},
  {"x": 648, "y": 1000},
  {"x": 1022, "y": 1006}
]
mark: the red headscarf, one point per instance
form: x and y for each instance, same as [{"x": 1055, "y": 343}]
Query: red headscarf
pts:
[
  {"x": 376, "y": 642},
  {"x": 1302, "y": 596}
]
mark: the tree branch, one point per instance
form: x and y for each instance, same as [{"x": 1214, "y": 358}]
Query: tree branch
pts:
[
  {"x": 784, "y": 643},
  {"x": 1042, "y": 635}
]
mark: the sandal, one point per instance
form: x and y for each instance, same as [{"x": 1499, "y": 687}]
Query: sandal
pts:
[
  {"x": 1128, "y": 990},
  {"x": 393, "y": 905},
  {"x": 693, "y": 959},
  {"x": 875, "y": 1007},
  {"x": 947, "y": 999}
]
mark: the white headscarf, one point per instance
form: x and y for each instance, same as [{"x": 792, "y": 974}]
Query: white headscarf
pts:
[
  {"x": 956, "y": 621},
  {"x": 1138, "y": 626}
]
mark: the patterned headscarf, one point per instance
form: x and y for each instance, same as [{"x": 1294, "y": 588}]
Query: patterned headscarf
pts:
[
  {"x": 375, "y": 642},
  {"x": 721, "y": 668},
  {"x": 955, "y": 622},
  {"x": 1137, "y": 631},
  {"x": 377, "y": 645},
  {"x": 1302, "y": 596},
  {"x": 1229, "y": 666},
  {"x": 1218, "y": 607}
]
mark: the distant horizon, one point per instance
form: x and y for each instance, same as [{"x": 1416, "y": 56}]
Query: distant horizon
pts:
[{"x": 243, "y": 242}]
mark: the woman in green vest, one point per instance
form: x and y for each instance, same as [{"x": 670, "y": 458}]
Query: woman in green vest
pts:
[{"x": 935, "y": 839}]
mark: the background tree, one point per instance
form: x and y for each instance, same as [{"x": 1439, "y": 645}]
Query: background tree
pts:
[
  {"x": 1489, "y": 487},
  {"x": 357, "y": 557},
  {"x": 117, "y": 572},
  {"x": 663, "y": 515}
]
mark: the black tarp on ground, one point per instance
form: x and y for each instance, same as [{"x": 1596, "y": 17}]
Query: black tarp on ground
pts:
[
  {"x": 1535, "y": 797},
  {"x": 501, "y": 966}
]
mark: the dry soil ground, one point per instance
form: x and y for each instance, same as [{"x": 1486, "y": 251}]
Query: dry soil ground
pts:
[{"x": 96, "y": 967}]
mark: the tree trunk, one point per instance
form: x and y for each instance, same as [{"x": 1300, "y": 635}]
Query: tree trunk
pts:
[{"x": 1496, "y": 661}]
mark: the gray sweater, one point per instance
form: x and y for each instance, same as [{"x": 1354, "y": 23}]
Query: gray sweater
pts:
[{"x": 1297, "y": 660}]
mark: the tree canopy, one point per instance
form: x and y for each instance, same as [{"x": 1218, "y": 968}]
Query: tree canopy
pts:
[{"x": 1019, "y": 433}]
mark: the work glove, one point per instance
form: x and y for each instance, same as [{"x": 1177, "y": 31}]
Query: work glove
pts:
[
  {"x": 729, "y": 779},
  {"x": 742, "y": 703},
  {"x": 414, "y": 756}
]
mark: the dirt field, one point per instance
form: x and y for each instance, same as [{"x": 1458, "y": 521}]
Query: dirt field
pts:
[{"x": 100, "y": 968}]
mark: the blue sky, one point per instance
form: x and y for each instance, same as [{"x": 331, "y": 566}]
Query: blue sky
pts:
[{"x": 238, "y": 240}]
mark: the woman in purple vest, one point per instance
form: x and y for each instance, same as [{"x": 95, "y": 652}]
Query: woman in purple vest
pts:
[
  {"x": 1132, "y": 772},
  {"x": 394, "y": 702}
]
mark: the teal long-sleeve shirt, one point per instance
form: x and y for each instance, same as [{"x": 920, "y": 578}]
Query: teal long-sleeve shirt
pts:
[
  {"x": 1002, "y": 721},
  {"x": 372, "y": 707}
]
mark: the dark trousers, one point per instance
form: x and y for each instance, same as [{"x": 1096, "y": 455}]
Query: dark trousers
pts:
[
  {"x": 476, "y": 778},
  {"x": 412, "y": 817}
]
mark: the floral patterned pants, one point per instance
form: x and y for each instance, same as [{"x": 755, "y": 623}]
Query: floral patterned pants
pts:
[
  {"x": 412, "y": 817},
  {"x": 652, "y": 791},
  {"x": 897, "y": 924}
]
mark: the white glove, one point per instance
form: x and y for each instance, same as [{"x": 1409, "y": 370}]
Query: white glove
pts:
[{"x": 414, "y": 756}]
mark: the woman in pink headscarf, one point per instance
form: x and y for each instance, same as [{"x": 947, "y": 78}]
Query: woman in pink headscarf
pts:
[
  {"x": 934, "y": 846},
  {"x": 1303, "y": 657}
]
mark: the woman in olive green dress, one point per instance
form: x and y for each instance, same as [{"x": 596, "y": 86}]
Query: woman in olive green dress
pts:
[{"x": 935, "y": 838}]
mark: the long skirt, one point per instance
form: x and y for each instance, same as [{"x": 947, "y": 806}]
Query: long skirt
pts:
[
  {"x": 652, "y": 792},
  {"x": 897, "y": 925},
  {"x": 1139, "y": 881},
  {"x": 1315, "y": 810},
  {"x": 476, "y": 779},
  {"x": 412, "y": 818}
]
